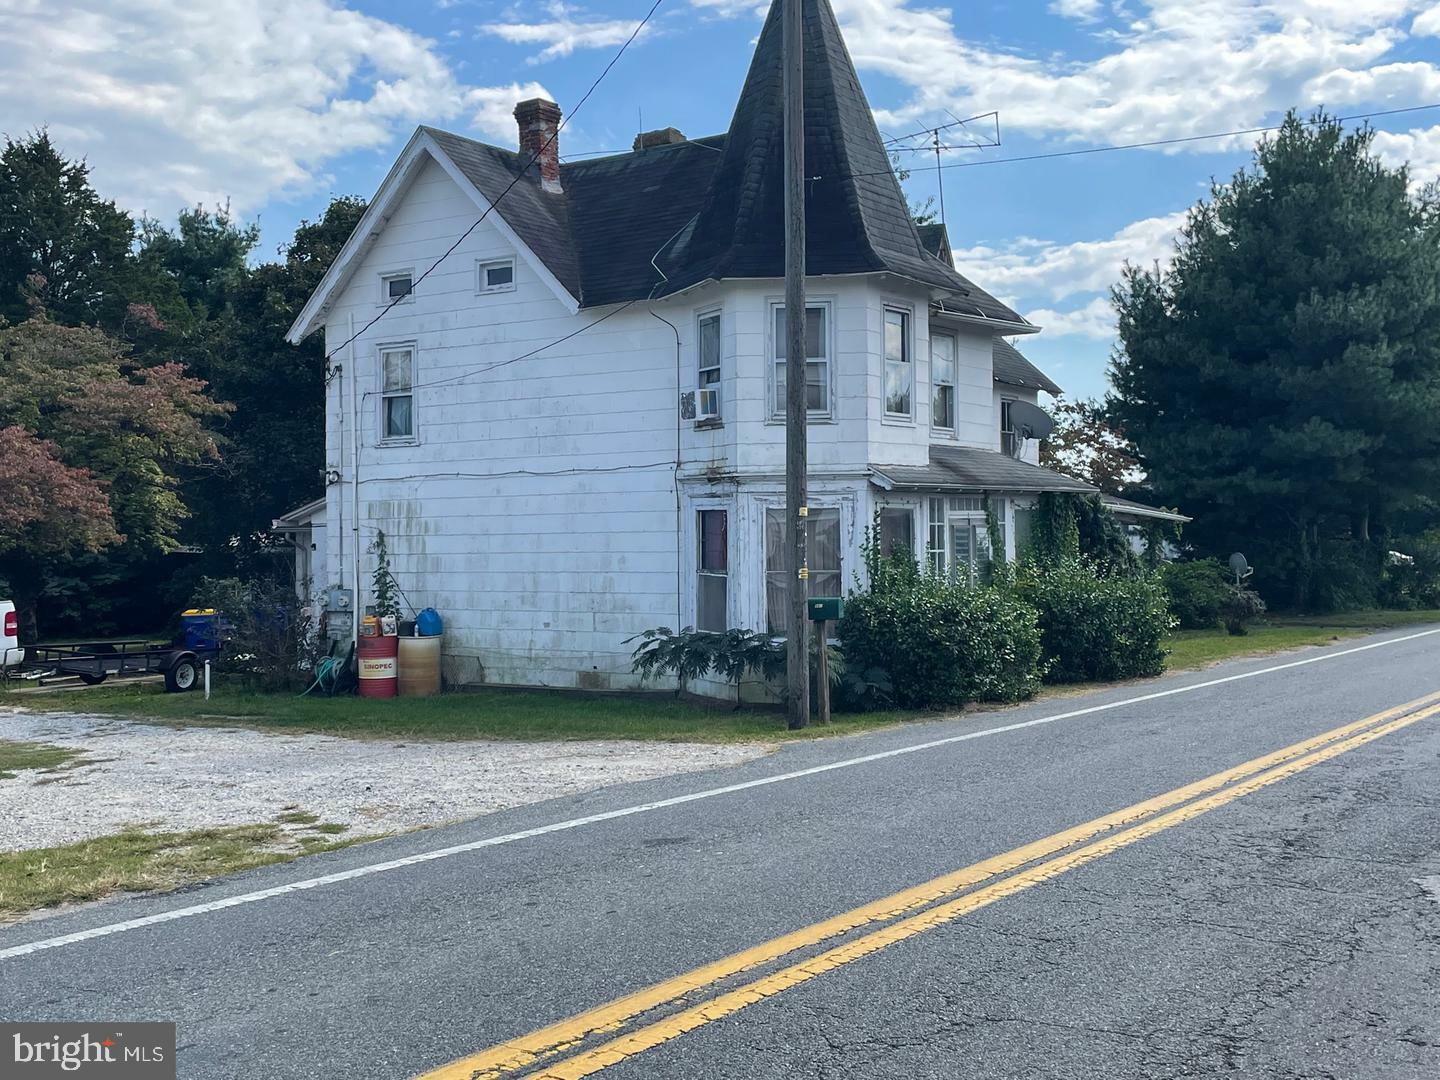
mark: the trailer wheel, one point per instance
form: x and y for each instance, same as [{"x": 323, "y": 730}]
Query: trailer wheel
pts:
[
  {"x": 181, "y": 676},
  {"x": 93, "y": 680}
]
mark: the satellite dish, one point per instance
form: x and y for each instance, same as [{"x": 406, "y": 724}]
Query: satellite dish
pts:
[
  {"x": 1029, "y": 422},
  {"x": 1240, "y": 568}
]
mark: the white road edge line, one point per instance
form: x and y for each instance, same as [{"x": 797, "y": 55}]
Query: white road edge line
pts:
[{"x": 659, "y": 804}]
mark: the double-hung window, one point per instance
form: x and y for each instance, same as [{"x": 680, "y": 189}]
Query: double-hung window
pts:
[
  {"x": 817, "y": 359},
  {"x": 708, "y": 350},
  {"x": 712, "y": 584},
  {"x": 822, "y": 556},
  {"x": 899, "y": 368},
  {"x": 397, "y": 398},
  {"x": 942, "y": 379}
]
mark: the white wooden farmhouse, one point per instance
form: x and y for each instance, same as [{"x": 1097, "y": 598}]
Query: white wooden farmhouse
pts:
[{"x": 570, "y": 430}]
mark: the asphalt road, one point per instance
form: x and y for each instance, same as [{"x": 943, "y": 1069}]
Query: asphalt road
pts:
[{"x": 1292, "y": 929}]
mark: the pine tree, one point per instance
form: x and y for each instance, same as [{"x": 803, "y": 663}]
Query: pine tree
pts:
[{"x": 1281, "y": 376}]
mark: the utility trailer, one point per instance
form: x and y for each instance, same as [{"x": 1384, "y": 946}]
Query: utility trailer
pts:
[{"x": 93, "y": 663}]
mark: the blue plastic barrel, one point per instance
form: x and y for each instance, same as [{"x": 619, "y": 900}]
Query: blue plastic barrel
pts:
[
  {"x": 200, "y": 628},
  {"x": 429, "y": 624}
]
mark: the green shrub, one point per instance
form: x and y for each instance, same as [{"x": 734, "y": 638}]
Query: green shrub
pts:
[
  {"x": 1197, "y": 591},
  {"x": 1094, "y": 627},
  {"x": 1241, "y": 605},
  {"x": 922, "y": 641},
  {"x": 1411, "y": 576}
]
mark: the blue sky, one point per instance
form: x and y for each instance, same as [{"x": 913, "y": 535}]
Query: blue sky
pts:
[{"x": 274, "y": 105}]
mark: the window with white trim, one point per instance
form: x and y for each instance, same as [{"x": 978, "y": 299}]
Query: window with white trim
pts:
[
  {"x": 817, "y": 358},
  {"x": 712, "y": 585},
  {"x": 397, "y": 399},
  {"x": 899, "y": 368},
  {"x": 708, "y": 352},
  {"x": 822, "y": 556},
  {"x": 942, "y": 379},
  {"x": 397, "y": 287},
  {"x": 496, "y": 276}
]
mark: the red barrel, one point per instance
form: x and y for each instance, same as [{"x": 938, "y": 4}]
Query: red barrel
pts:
[{"x": 378, "y": 666}]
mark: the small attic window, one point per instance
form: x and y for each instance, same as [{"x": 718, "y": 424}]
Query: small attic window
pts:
[
  {"x": 397, "y": 287},
  {"x": 497, "y": 276}
]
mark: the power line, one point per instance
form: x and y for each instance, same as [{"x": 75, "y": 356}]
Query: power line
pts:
[
  {"x": 518, "y": 177},
  {"x": 515, "y": 359},
  {"x": 1142, "y": 145}
]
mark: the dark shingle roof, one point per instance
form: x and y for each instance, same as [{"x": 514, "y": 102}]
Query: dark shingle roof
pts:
[
  {"x": 857, "y": 219},
  {"x": 624, "y": 209},
  {"x": 963, "y": 468},
  {"x": 540, "y": 218},
  {"x": 1013, "y": 369},
  {"x": 935, "y": 240}
]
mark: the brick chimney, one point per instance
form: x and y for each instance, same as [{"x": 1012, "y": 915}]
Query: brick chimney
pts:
[{"x": 539, "y": 122}]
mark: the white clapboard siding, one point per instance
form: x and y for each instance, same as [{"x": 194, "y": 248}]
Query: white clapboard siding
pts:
[{"x": 538, "y": 507}]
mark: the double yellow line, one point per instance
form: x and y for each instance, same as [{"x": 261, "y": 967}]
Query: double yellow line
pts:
[{"x": 906, "y": 914}]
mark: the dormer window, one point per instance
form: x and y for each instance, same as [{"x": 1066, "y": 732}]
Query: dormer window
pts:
[
  {"x": 497, "y": 276},
  {"x": 397, "y": 287}
]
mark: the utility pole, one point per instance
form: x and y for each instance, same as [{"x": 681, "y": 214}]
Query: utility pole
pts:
[{"x": 797, "y": 625}]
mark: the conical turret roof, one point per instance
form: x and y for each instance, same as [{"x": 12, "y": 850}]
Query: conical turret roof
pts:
[{"x": 856, "y": 217}]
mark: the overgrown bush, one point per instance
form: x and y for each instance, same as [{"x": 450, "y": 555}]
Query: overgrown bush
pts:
[
  {"x": 1240, "y": 607},
  {"x": 1097, "y": 627},
  {"x": 271, "y": 641},
  {"x": 1411, "y": 577},
  {"x": 923, "y": 641},
  {"x": 1197, "y": 590}
]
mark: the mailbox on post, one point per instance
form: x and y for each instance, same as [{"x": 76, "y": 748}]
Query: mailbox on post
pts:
[{"x": 824, "y": 608}]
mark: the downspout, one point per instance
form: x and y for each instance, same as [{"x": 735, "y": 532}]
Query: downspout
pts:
[
  {"x": 679, "y": 525},
  {"x": 354, "y": 488}
]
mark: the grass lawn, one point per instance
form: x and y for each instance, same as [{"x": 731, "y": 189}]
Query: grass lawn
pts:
[
  {"x": 478, "y": 714},
  {"x": 28, "y": 755},
  {"x": 136, "y": 860},
  {"x": 542, "y": 715},
  {"x": 1197, "y": 648}
]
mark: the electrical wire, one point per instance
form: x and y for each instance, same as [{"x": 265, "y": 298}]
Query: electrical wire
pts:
[
  {"x": 518, "y": 177},
  {"x": 1143, "y": 145}
]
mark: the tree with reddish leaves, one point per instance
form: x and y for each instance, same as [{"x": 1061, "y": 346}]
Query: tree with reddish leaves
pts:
[
  {"x": 1088, "y": 445},
  {"x": 93, "y": 448}
]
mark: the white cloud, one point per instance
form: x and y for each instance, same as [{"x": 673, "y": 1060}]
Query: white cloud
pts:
[
  {"x": 494, "y": 108},
  {"x": 1180, "y": 68},
  {"x": 1083, "y": 10},
  {"x": 1095, "y": 320},
  {"x": 1427, "y": 23},
  {"x": 565, "y": 31},
  {"x": 1420, "y": 148},
  {"x": 1042, "y": 269},
  {"x": 174, "y": 103}
]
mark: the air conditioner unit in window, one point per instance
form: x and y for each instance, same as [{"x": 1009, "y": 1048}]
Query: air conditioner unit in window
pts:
[{"x": 707, "y": 403}]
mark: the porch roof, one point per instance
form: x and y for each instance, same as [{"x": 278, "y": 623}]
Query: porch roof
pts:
[{"x": 964, "y": 468}]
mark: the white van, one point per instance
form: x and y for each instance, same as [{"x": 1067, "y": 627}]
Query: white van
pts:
[{"x": 10, "y": 651}]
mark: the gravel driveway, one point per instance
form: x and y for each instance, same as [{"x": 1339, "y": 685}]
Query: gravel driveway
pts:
[{"x": 175, "y": 778}]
